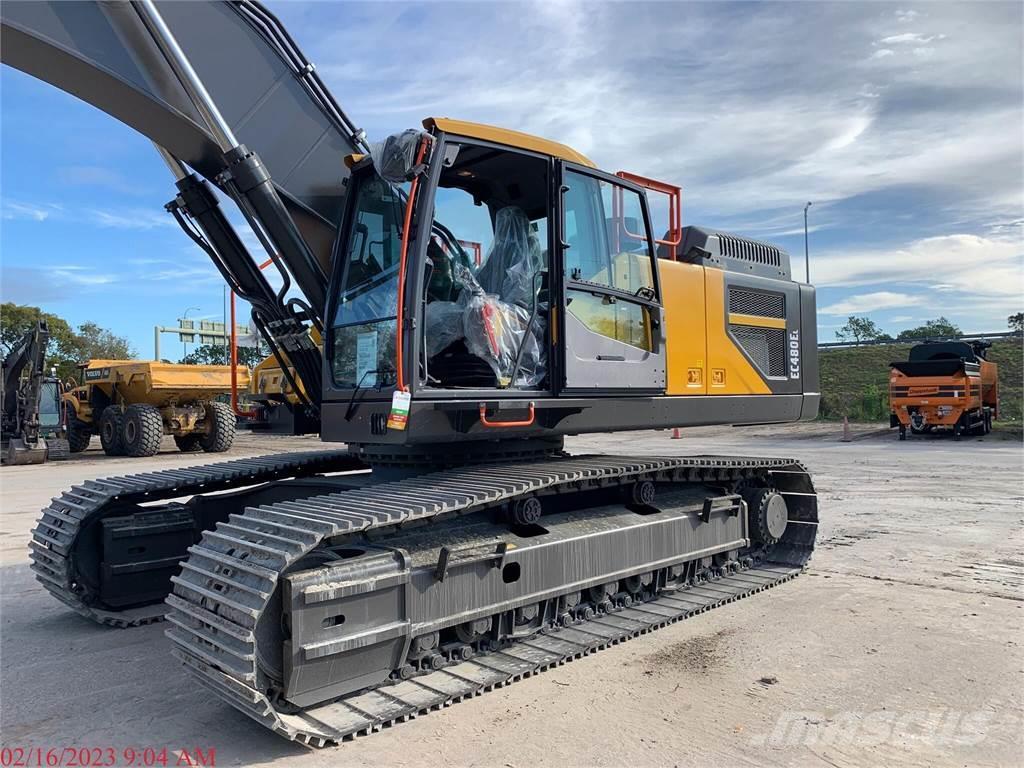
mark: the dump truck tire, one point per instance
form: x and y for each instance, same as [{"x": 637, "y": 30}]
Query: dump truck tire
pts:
[
  {"x": 112, "y": 430},
  {"x": 79, "y": 434},
  {"x": 143, "y": 429},
  {"x": 187, "y": 443},
  {"x": 222, "y": 428}
]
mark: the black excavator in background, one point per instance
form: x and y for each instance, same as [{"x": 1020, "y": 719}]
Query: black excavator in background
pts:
[
  {"x": 32, "y": 426},
  {"x": 453, "y": 546}
]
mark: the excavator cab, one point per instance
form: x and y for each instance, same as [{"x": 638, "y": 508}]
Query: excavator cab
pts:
[{"x": 563, "y": 301}]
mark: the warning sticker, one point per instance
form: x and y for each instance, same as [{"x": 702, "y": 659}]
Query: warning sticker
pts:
[
  {"x": 366, "y": 359},
  {"x": 399, "y": 416}
]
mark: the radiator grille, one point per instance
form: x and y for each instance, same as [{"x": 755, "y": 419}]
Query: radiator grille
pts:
[
  {"x": 758, "y": 303},
  {"x": 766, "y": 347},
  {"x": 750, "y": 250}
]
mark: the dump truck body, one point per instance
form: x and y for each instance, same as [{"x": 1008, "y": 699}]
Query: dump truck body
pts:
[
  {"x": 131, "y": 404},
  {"x": 160, "y": 384},
  {"x": 277, "y": 399},
  {"x": 944, "y": 385}
]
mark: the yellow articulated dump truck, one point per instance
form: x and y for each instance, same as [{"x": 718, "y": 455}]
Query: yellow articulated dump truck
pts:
[
  {"x": 132, "y": 404},
  {"x": 277, "y": 397}
]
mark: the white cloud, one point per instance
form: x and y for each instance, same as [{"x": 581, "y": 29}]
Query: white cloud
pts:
[
  {"x": 742, "y": 127},
  {"x": 124, "y": 218},
  {"x": 871, "y": 302},
  {"x": 855, "y": 127},
  {"x": 968, "y": 263},
  {"x": 905, "y": 16},
  {"x": 909, "y": 37},
  {"x": 143, "y": 218},
  {"x": 13, "y": 210},
  {"x": 79, "y": 276}
]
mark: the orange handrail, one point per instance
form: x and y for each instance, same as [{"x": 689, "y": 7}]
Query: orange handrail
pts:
[
  {"x": 675, "y": 207},
  {"x": 234, "y": 357},
  {"x": 477, "y": 249},
  {"x": 406, "y": 226},
  {"x": 503, "y": 424}
]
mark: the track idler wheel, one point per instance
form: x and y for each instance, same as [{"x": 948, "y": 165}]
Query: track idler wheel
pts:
[
  {"x": 526, "y": 511},
  {"x": 642, "y": 493},
  {"x": 767, "y": 514}
]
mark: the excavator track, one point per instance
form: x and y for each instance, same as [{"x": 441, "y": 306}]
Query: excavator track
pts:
[
  {"x": 231, "y": 586},
  {"x": 54, "y": 539}
]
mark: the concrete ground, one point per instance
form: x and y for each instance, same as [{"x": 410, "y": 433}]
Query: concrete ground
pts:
[{"x": 901, "y": 645}]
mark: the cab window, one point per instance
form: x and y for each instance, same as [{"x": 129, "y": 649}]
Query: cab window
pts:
[{"x": 609, "y": 269}]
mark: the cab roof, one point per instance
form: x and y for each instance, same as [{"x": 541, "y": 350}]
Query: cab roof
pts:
[{"x": 507, "y": 137}]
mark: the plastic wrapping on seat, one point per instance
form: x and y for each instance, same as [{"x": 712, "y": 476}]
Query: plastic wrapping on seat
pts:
[
  {"x": 394, "y": 158},
  {"x": 492, "y": 329},
  {"x": 513, "y": 260},
  {"x": 445, "y": 322},
  {"x": 494, "y": 332}
]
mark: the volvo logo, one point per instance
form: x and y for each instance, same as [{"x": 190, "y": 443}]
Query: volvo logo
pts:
[{"x": 794, "y": 354}]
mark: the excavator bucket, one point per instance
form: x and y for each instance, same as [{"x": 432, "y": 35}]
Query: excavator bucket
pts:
[
  {"x": 104, "y": 54},
  {"x": 17, "y": 451}
]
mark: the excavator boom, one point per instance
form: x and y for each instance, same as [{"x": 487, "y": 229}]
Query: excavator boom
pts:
[
  {"x": 107, "y": 55},
  {"x": 206, "y": 81}
]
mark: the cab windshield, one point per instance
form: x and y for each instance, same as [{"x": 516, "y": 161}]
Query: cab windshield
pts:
[
  {"x": 364, "y": 321},
  {"x": 483, "y": 313},
  {"x": 49, "y": 404}
]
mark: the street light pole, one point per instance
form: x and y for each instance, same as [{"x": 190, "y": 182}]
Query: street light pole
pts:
[
  {"x": 807, "y": 256},
  {"x": 184, "y": 317}
]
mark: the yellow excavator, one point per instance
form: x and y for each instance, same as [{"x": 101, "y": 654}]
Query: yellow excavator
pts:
[{"x": 453, "y": 546}]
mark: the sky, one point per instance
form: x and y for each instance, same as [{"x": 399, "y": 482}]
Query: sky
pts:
[{"x": 902, "y": 123}]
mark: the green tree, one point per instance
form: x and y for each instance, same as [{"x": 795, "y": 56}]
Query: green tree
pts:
[
  {"x": 218, "y": 354},
  {"x": 99, "y": 343},
  {"x": 940, "y": 328},
  {"x": 17, "y": 319},
  {"x": 1016, "y": 322},
  {"x": 858, "y": 329},
  {"x": 67, "y": 348}
]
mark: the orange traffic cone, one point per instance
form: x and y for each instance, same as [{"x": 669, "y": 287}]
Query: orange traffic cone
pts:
[
  {"x": 676, "y": 434},
  {"x": 846, "y": 431}
]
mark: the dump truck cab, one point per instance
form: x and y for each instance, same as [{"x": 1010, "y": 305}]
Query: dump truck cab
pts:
[{"x": 946, "y": 385}]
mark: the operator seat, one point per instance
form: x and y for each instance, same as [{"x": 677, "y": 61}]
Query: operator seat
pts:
[{"x": 513, "y": 260}]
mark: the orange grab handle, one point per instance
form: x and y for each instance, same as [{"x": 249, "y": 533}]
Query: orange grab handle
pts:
[
  {"x": 410, "y": 203},
  {"x": 234, "y": 367},
  {"x": 502, "y": 424}
]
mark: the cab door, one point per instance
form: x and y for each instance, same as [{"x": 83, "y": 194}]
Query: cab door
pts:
[{"x": 611, "y": 331}]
